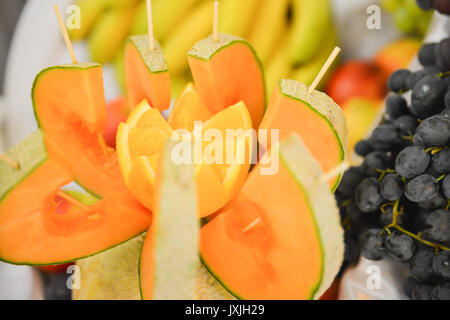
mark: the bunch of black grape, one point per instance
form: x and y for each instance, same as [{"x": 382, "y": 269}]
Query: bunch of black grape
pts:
[
  {"x": 396, "y": 202},
  {"x": 443, "y": 6}
]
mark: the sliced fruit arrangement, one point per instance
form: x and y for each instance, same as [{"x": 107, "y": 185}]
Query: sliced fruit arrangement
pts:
[
  {"x": 280, "y": 237},
  {"x": 265, "y": 231},
  {"x": 57, "y": 232},
  {"x": 217, "y": 68},
  {"x": 314, "y": 116},
  {"x": 216, "y": 182},
  {"x": 174, "y": 233},
  {"x": 146, "y": 73}
]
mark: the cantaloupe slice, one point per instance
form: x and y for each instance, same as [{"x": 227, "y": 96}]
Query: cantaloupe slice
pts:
[
  {"x": 114, "y": 275},
  {"x": 169, "y": 258},
  {"x": 227, "y": 71},
  {"x": 280, "y": 237},
  {"x": 69, "y": 104},
  {"x": 146, "y": 74},
  {"x": 318, "y": 120},
  {"x": 36, "y": 230},
  {"x": 140, "y": 139}
]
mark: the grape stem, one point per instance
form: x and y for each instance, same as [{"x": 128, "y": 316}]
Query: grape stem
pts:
[
  {"x": 384, "y": 172},
  {"x": 434, "y": 150},
  {"x": 417, "y": 237},
  {"x": 408, "y": 137}
]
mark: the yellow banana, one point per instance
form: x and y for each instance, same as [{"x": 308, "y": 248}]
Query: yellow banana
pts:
[
  {"x": 235, "y": 16},
  {"x": 119, "y": 4},
  {"x": 139, "y": 25},
  {"x": 270, "y": 23},
  {"x": 310, "y": 25},
  {"x": 89, "y": 13},
  {"x": 194, "y": 27},
  {"x": 278, "y": 67},
  {"x": 307, "y": 73},
  {"x": 167, "y": 14},
  {"x": 109, "y": 33}
]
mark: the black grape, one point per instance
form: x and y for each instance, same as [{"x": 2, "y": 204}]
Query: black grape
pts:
[
  {"x": 422, "y": 188},
  {"x": 391, "y": 187},
  {"x": 400, "y": 246},
  {"x": 412, "y": 161},
  {"x": 367, "y": 195},
  {"x": 421, "y": 265},
  {"x": 428, "y": 96},
  {"x": 397, "y": 80},
  {"x": 434, "y": 132},
  {"x": 426, "y": 54},
  {"x": 373, "y": 161},
  {"x": 437, "y": 226},
  {"x": 441, "y": 264},
  {"x": 372, "y": 244}
]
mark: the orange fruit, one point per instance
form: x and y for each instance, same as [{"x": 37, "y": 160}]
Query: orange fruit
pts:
[{"x": 223, "y": 156}]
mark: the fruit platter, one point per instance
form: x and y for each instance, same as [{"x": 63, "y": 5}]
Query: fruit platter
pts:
[{"x": 244, "y": 156}]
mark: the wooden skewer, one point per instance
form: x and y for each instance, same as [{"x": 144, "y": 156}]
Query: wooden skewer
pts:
[
  {"x": 65, "y": 34},
  {"x": 216, "y": 20},
  {"x": 252, "y": 225},
  {"x": 324, "y": 69},
  {"x": 151, "y": 36},
  {"x": 334, "y": 172},
  {"x": 74, "y": 61},
  {"x": 10, "y": 162},
  {"x": 75, "y": 202}
]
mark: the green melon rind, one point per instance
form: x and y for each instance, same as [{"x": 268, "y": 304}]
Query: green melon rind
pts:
[
  {"x": 30, "y": 154},
  {"x": 176, "y": 231},
  {"x": 207, "y": 48},
  {"x": 153, "y": 59},
  {"x": 307, "y": 172},
  {"x": 113, "y": 274},
  {"x": 324, "y": 107},
  {"x": 110, "y": 275}
]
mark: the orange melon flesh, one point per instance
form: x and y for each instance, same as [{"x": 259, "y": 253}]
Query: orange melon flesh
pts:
[
  {"x": 226, "y": 72},
  {"x": 70, "y": 107},
  {"x": 182, "y": 117},
  {"x": 146, "y": 74},
  {"x": 296, "y": 249},
  {"x": 316, "y": 118},
  {"x": 39, "y": 231}
]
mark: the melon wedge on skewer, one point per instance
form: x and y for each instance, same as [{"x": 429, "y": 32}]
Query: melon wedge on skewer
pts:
[
  {"x": 227, "y": 71},
  {"x": 36, "y": 230},
  {"x": 315, "y": 117},
  {"x": 280, "y": 237},
  {"x": 146, "y": 74}
]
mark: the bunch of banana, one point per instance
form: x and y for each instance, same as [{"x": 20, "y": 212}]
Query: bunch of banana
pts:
[{"x": 293, "y": 38}]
